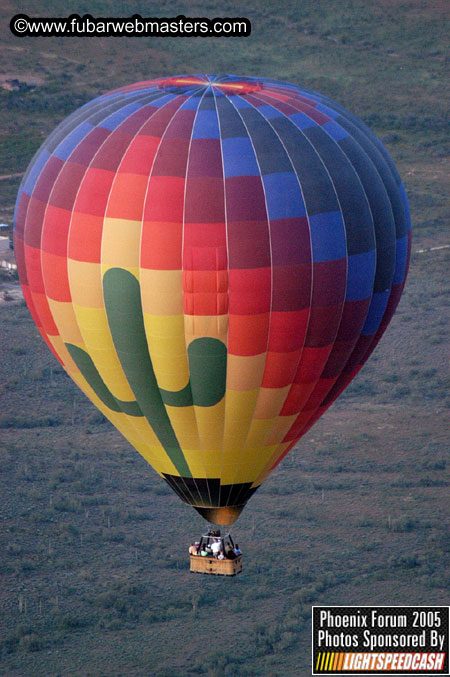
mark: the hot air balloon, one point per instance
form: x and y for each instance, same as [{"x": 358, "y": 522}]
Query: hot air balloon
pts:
[{"x": 212, "y": 259}]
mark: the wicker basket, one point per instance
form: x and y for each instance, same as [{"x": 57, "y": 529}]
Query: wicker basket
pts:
[{"x": 216, "y": 567}]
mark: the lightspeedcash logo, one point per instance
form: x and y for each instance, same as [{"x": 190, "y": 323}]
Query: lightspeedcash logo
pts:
[{"x": 380, "y": 640}]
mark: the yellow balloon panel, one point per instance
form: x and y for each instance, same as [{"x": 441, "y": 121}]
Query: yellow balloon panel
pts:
[
  {"x": 239, "y": 409},
  {"x": 85, "y": 281},
  {"x": 93, "y": 324},
  {"x": 120, "y": 243},
  {"x": 167, "y": 346},
  {"x": 270, "y": 401},
  {"x": 185, "y": 425},
  {"x": 161, "y": 292},
  {"x": 198, "y": 326},
  {"x": 64, "y": 318},
  {"x": 278, "y": 452}
]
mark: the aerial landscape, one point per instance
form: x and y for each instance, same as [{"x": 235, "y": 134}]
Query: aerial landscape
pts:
[{"x": 94, "y": 545}]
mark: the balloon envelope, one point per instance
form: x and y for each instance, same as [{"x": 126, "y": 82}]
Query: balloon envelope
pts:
[{"x": 212, "y": 259}]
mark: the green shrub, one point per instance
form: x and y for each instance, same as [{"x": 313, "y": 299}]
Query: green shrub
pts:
[
  {"x": 70, "y": 622},
  {"x": 401, "y": 391},
  {"x": 31, "y": 643},
  {"x": 14, "y": 549},
  {"x": 66, "y": 504},
  {"x": 404, "y": 524},
  {"x": 113, "y": 535},
  {"x": 406, "y": 562},
  {"x": 8, "y": 421}
]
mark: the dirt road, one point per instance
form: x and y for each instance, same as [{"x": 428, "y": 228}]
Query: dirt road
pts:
[{"x": 4, "y": 246}]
